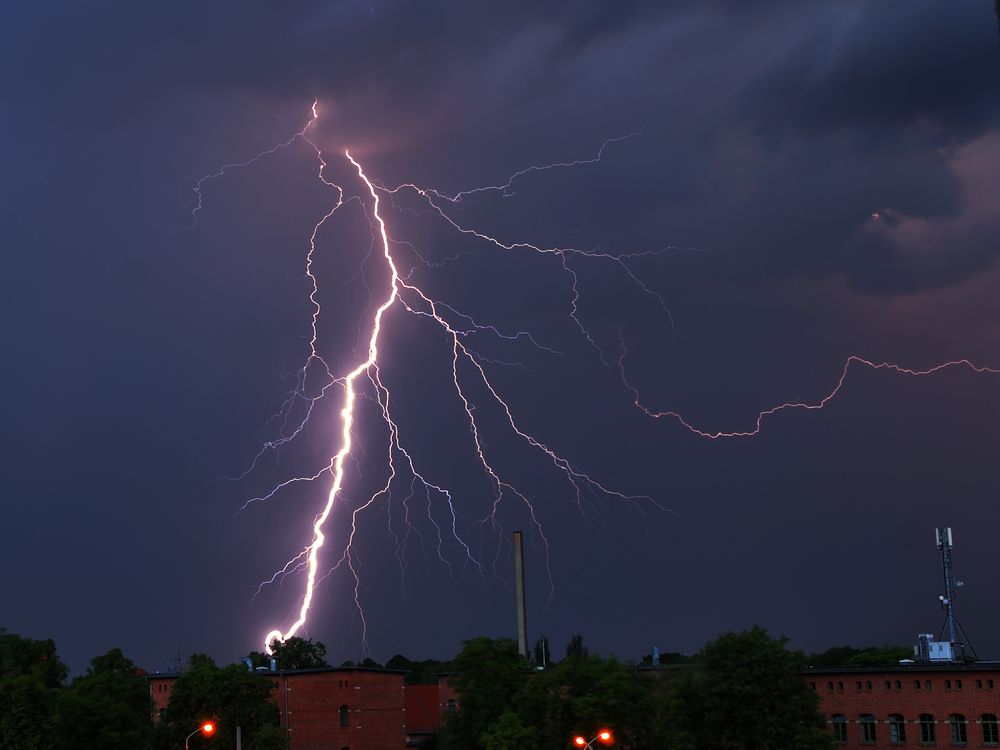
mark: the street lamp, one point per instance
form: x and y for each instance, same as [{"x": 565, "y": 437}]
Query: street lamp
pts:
[
  {"x": 207, "y": 728},
  {"x": 603, "y": 736}
]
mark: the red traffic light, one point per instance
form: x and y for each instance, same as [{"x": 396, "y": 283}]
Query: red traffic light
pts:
[
  {"x": 208, "y": 729},
  {"x": 580, "y": 741}
]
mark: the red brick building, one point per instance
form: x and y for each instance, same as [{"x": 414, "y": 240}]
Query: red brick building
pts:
[
  {"x": 913, "y": 705},
  {"x": 348, "y": 708}
]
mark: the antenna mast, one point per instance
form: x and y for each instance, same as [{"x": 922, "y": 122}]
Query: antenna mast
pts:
[{"x": 956, "y": 633}]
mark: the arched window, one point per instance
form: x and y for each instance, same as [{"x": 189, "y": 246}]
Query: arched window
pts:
[
  {"x": 916, "y": 684},
  {"x": 947, "y": 684},
  {"x": 838, "y": 723},
  {"x": 897, "y": 728},
  {"x": 829, "y": 686},
  {"x": 979, "y": 684},
  {"x": 345, "y": 716},
  {"x": 868, "y": 684},
  {"x": 926, "y": 722},
  {"x": 857, "y": 685},
  {"x": 959, "y": 729},
  {"x": 958, "y": 684},
  {"x": 927, "y": 684},
  {"x": 989, "y": 684},
  {"x": 452, "y": 705},
  {"x": 991, "y": 734},
  {"x": 840, "y": 685},
  {"x": 888, "y": 684},
  {"x": 899, "y": 685},
  {"x": 867, "y": 722}
]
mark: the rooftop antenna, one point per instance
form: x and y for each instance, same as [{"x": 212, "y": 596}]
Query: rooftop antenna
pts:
[{"x": 956, "y": 633}]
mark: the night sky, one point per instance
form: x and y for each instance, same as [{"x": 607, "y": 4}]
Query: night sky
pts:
[{"x": 826, "y": 174}]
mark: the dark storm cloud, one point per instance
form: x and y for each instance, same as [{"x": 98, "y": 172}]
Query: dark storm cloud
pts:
[
  {"x": 887, "y": 65},
  {"x": 771, "y": 134}
]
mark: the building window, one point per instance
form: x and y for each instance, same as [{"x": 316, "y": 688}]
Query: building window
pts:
[
  {"x": 959, "y": 729},
  {"x": 947, "y": 684},
  {"x": 888, "y": 684},
  {"x": 899, "y": 685},
  {"x": 991, "y": 734},
  {"x": 838, "y": 723},
  {"x": 345, "y": 716},
  {"x": 868, "y": 685},
  {"x": 897, "y": 729},
  {"x": 840, "y": 685},
  {"x": 958, "y": 684},
  {"x": 927, "y": 685},
  {"x": 857, "y": 685},
  {"x": 979, "y": 684},
  {"x": 989, "y": 684},
  {"x": 829, "y": 686},
  {"x": 813, "y": 684},
  {"x": 867, "y": 723},
  {"x": 926, "y": 728},
  {"x": 452, "y": 706}
]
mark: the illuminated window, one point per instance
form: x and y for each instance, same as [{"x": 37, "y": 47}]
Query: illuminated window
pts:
[
  {"x": 959, "y": 729},
  {"x": 838, "y": 723},
  {"x": 926, "y": 728},
  {"x": 991, "y": 733},
  {"x": 345, "y": 716},
  {"x": 867, "y": 723},
  {"x": 897, "y": 729}
]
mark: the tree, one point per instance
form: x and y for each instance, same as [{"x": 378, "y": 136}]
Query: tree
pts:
[
  {"x": 107, "y": 707},
  {"x": 509, "y": 733},
  {"x": 575, "y": 647},
  {"x": 872, "y": 656},
  {"x": 232, "y": 696},
  {"x": 582, "y": 694},
  {"x": 748, "y": 695},
  {"x": 419, "y": 672},
  {"x": 293, "y": 653},
  {"x": 31, "y": 677},
  {"x": 489, "y": 677}
]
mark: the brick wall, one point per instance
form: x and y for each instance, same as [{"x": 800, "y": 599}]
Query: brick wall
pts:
[{"x": 908, "y": 692}]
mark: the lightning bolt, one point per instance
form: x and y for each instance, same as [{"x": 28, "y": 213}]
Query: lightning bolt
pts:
[
  {"x": 467, "y": 370},
  {"x": 758, "y": 422}
]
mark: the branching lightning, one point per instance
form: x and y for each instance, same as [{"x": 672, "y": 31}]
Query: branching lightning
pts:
[{"x": 459, "y": 329}]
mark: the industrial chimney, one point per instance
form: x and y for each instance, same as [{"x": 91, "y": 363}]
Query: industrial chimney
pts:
[{"x": 522, "y": 624}]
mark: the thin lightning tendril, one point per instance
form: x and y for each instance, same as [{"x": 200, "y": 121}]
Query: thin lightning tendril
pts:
[{"x": 468, "y": 368}]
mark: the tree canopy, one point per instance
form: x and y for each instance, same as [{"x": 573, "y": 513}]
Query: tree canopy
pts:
[
  {"x": 293, "y": 653},
  {"x": 31, "y": 677},
  {"x": 749, "y": 694},
  {"x": 232, "y": 696}
]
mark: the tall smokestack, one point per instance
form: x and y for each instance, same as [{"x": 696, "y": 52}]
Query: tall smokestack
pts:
[{"x": 522, "y": 623}]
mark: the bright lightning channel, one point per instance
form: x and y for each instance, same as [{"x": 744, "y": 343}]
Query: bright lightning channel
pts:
[{"x": 457, "y": 326}]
